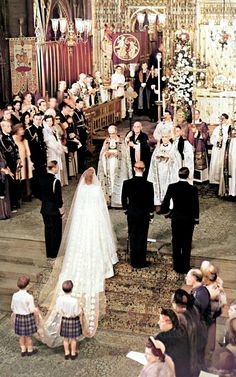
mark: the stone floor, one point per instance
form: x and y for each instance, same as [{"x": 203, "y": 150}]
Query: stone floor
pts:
[
  {"x": 104, "y": 355},
  {"x": 101, "y": 356}
]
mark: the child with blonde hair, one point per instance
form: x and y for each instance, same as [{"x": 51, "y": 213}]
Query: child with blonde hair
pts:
[{"x": 22, "y": 306}]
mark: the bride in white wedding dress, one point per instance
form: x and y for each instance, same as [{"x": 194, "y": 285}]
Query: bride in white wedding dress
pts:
[{"x": 86, "y": 256}]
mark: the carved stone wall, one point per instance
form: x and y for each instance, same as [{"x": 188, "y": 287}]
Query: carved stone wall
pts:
[{"x": 119, "y": 15}]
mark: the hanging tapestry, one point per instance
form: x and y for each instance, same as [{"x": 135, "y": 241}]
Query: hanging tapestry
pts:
[
  {"x": 129, "y": 47},
  {"x": 23, "y": 65}
]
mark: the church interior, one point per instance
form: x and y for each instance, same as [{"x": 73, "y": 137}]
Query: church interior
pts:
[{"x": 89, "y": 72}]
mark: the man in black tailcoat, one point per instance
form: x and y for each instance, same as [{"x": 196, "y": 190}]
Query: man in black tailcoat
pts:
[
  {"x": 52, "y": 209},
  {"x": 38, "y": 152},
  {"x": 138, "y": 201},
  {"x": 10, "y": 151},
  {"x": 184, "y": 216},
  {"x": 82, "y": 132}
]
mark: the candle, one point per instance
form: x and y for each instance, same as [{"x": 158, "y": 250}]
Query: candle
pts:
[{"x": 159, "y": 75}]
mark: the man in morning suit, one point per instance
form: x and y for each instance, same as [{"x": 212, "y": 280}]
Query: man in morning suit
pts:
[
  {"x": 38, "y": 152},
  {"x": 184, "y": 215},
  {"x": 138, "y": 201},
  {"x": 52, "y": 209}
]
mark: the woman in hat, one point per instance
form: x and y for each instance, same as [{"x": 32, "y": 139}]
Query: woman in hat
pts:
[{"x": 158, "y": 363}]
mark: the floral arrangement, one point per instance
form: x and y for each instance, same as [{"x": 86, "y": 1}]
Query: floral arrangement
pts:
[
  {"x": 181, "y": 80},
  {"x": 224, "y": 37}
]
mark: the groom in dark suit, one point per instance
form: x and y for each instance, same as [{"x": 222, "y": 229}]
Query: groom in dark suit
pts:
[
  {"x": 184, "y": 216},
  {"x": 138, "y": 201},
  {"x": 52, "y": 209}
]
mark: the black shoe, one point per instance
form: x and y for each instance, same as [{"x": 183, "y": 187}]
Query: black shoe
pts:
[
  {"x": 73, "y": 357},
  {"x": 32, "y": 352},
  {"x": 67, "y": 357},
  {"x": 23, "y": 354}
]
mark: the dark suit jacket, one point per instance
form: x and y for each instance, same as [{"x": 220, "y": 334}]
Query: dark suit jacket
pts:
[
  {"x": 138, "y": 195},
  {"x": 51, "y": 200},
  {"x": 37, "y": 146},
  {"x": 185, "y": 200}
]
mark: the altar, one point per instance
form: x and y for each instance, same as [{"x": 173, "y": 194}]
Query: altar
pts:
[{"x": 212, "y": 103}]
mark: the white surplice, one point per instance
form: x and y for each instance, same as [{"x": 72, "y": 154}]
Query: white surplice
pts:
[
  {"x": 118, "y": 90},
  {"x": 163, "y": 170},
  {"x": 217, "y": 154}
]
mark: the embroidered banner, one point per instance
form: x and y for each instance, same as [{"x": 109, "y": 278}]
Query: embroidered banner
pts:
[
  {"x": 23, "y": 65},
  {"x": 130, "y": 47}
]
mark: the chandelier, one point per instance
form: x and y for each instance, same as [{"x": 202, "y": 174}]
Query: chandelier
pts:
[
  {"x": 223, "y": 28},
  {"x": 152, "y": 18},
  {"x": 71, "y": 33}
]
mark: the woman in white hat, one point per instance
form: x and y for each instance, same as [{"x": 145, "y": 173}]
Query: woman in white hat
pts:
[{"x": 158, "y": 364}]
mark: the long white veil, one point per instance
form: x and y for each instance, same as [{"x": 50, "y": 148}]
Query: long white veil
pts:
[{"x": 86, "y": 256}]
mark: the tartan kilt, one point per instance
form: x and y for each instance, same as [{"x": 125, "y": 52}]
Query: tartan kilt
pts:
[
  {"x": 25, "y": 324},
  {"x": 70, "y": 327}
]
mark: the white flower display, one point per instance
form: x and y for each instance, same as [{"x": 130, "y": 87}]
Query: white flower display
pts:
[{"x": 181, "y": 80}]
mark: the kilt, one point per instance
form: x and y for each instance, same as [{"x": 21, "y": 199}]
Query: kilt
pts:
[
  {"x": 70, "y": 327},
  {"x": 25, "y": 324}
]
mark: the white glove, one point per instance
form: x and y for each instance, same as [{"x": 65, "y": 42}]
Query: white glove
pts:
[
  {"x": 143, "y": 84},
  {"x": 153, "y": 87}
]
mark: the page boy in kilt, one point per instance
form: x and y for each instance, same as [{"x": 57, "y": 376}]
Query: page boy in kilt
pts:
[
  {"x": 22, "y": 306},
  {"x": 68, "y": 307}
]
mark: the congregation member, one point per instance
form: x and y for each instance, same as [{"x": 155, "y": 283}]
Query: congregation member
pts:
[
  {"x": 198, "y": 136},
  {"x": 16, "y": 110},
  {"x": 53, "y": 104},
  {"x": 26, "y": 120},
  {"x": 25, "y": 172},
  {"x": 24, "y": 309},
  {"x": 7, "y": 115},
  {"x": 10, "y": 151},
  {"x": 42, "y": 106},
  {"x": 118, "y": 88},
  {"x": 164, "y": 127},
  {"x": 185, "y": 150},
  {"x": 218, "y": 140},
  {"x": 27, "y": 104},
  {"x": 194, "y": 279},
  {"x": 137, "y": 141},
  {"x": 184, "y": 216},
  {"x": 164, "y": 167},
  {"x": 61, "y": 135},
  {"x": 52, "y": 209},
  {"x": 175, "y": 339},
  {"x": 158, "y": 362},
  {"x": 81, "y": 131},
  {"x": 218, "y": 300},
  {"x": 53, "y": 144},
  {"x": 5, "y": 204},
  {"x": 114, "y": 166},
  {"x": 224, "y": 356},
  {"x": 143, "y": 90},
  {"x": 34, "y": 136},
  {"x": 189, "y": 318},
  {"x": 138, "y": 202}
]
